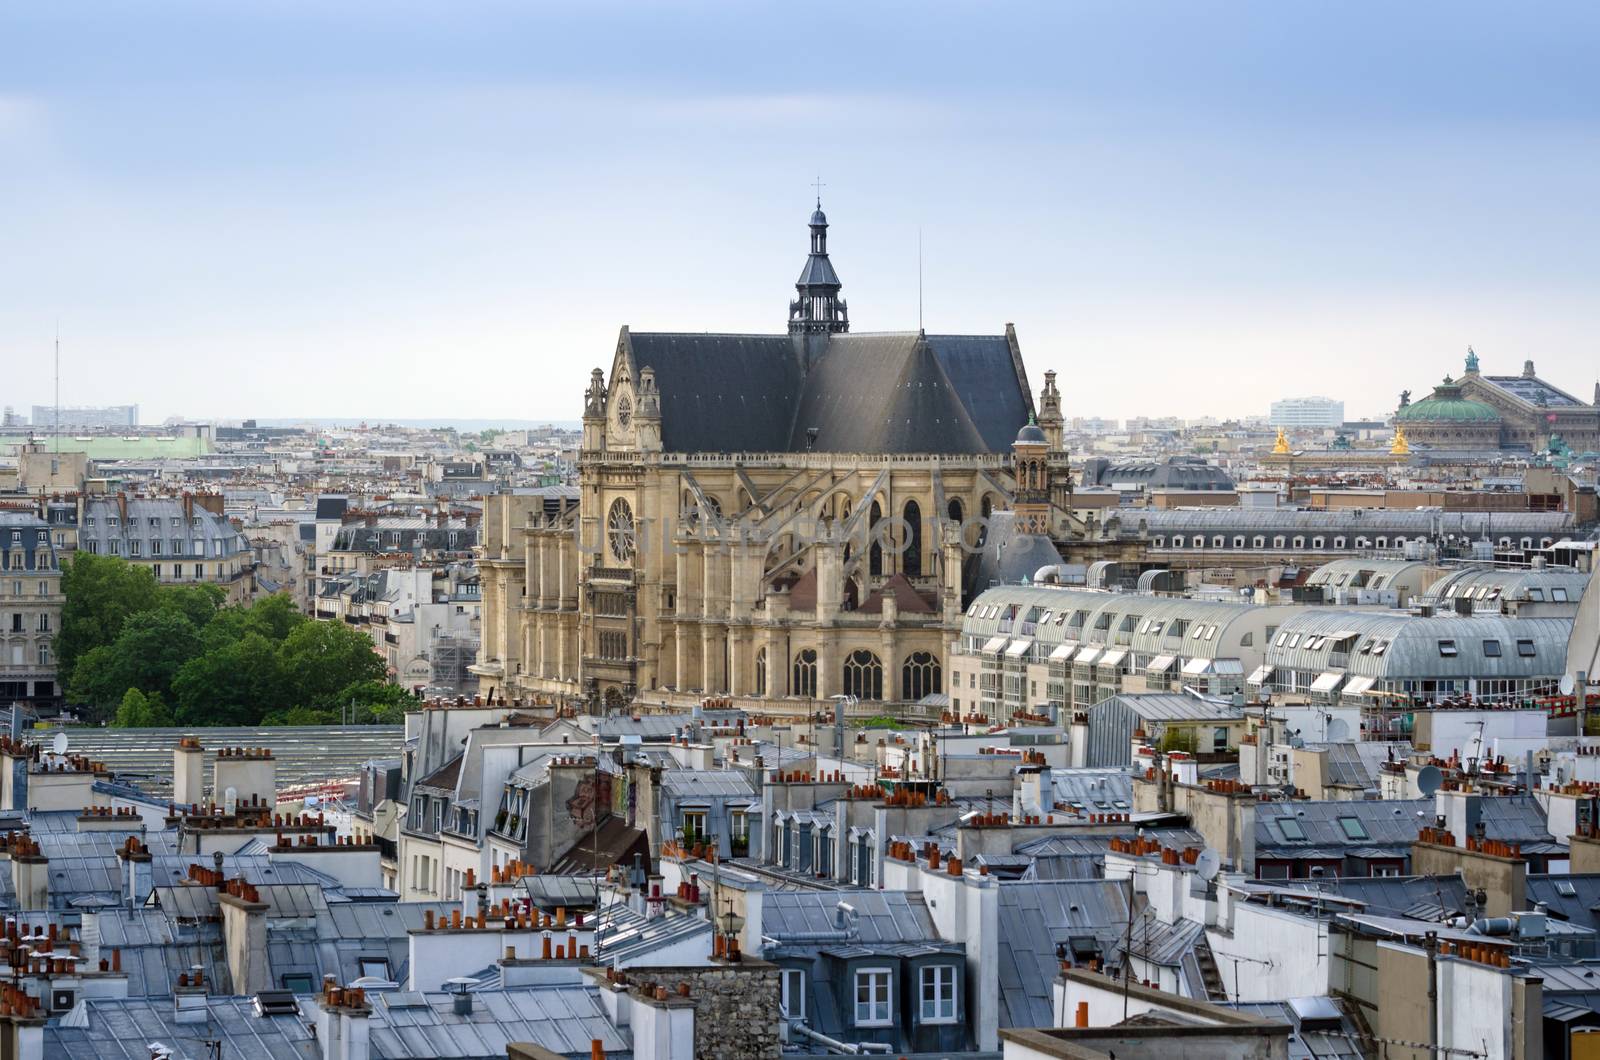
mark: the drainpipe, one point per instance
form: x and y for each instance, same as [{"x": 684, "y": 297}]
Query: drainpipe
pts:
[
  {"x": 848, "y": 1048},
  {"x": 1431, "y": 940}
]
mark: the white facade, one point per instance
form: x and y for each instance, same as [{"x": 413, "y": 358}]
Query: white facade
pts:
[{"x": 1308, "y": 412}]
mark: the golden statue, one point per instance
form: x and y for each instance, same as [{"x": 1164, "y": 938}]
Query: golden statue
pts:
[
  {"x": 1282, "y": 444},
  {"x": 1400, "y": 447}
]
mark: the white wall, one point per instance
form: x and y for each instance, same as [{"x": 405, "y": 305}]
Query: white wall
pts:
[{"x": 1281, "y": 955}]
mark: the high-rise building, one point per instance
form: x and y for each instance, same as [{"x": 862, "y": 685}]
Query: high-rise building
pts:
[
  {"x": 1307, "y": 412},
  {"x": 79, "y": 417}
]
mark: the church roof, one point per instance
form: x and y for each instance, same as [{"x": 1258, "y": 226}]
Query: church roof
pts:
[
  {"x": 895, "y": 392},
  {"x": 722, "y": 393},
  {"x": 818, "y": 272}
]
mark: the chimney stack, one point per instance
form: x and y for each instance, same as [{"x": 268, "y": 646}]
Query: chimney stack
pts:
[{"x": 188, "y": 772}]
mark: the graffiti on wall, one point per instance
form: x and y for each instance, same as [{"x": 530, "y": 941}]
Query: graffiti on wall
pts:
[{"x": 593, "y": 792}]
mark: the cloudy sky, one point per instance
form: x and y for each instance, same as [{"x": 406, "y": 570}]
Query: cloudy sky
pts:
[{"x": 284, "y": 208}]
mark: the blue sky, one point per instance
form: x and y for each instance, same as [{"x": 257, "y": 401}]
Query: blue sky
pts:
[{"x": 295, "y": 208}]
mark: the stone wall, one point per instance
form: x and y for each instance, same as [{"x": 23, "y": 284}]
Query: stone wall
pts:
[{"x": 735, "y": 1006}]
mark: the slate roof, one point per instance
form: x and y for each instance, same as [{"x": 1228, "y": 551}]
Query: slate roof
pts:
[
  {"x": 1035, "y": 917},
  {"x": 881, "y": 916},
  {"x": 893, "y": 392},
  {"x": 1387, "y": 823},
  {"x": 403, "y": 1026},
  {"x": 692, "y": 784}
]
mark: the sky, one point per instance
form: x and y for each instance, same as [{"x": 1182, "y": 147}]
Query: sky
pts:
[{"x": 293, "y": 208}]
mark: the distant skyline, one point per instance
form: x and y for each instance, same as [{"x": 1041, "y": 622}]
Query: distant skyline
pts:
[{"x": 287, "y": 209}]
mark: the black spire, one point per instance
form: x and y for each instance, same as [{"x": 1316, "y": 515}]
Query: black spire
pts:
[{"x": 818, "y": 309}]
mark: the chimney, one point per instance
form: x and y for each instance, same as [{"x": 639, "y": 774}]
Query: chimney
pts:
[
  {"x": 22, "y": 1031},
  {"x": 30, "y": 878},
  {"x": 341, "y": 1022},
  {"x": 189, "y": 998},
  {"x": 136, "y": 883},
  {"x": 244, "y": 935},
  {"x": 188, "y": 772}
]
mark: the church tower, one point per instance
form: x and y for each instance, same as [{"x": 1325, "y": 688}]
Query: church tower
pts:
[
  {"x": 817, "y": 308},
  {"x": 1030, "y": 466}
]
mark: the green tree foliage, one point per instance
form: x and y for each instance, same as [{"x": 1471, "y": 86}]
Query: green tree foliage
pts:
[
  {"x": 101, "y": 591},
  {"x": 235, "y": 684},
  {"x": 1175, "y": 739},
  {"x": 146, "y": 654},
  {"x": 149, "y": 654},
  {"x": 139, "y": 711},
  {"x": 376, "y": 702},
  {"x": 320, "y": 659},
  {"x": 301, "y": 716}
]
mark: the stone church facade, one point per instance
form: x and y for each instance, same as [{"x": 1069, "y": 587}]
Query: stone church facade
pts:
[{"x": 781, "y": 517}]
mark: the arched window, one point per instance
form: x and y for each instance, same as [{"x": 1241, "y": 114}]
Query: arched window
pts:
[
  {"x": 761, "y": 672},
  {"x": 863, "y": 675},
  {"x": 804, "y": 680},
  {"x": 919, "y": 676},
  {"x": 911, "y": 562},
  {"x": 1317, "y": 542},
  {"x": 953, "y": 509},
  {"x": 875, "y": 557}
]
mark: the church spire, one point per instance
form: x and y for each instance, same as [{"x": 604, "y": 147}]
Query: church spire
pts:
[{"x": 817, "y": 307}]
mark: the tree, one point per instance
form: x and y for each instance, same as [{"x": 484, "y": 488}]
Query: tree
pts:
[
  {"x": 376, "y": 702},
  {"x": 198, "y": 603},
  {"x": 235, "y": 684},
  {"x": 1176, "y": 739},
  {"x": 274, "y": 617},
  {"x": 147, "y": 654},
  {"x": 101, "y": 592},
  {"x": 300, "y": 716},
  {"x": 321, "y": 659},
  {"x": 139, "y": 711}
]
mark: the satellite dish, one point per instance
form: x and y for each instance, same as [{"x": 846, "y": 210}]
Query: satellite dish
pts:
[
  {"x": 59, "y": 744},
  {"x": 1338, "y": 730},
  {"x": 1567, "y": 685},
  {"x": 1428, "y": 780},
  {"x": 1208, "y": 864}
]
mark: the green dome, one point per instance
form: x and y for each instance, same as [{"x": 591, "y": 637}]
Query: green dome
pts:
[{"x": 1447, "y": 405}]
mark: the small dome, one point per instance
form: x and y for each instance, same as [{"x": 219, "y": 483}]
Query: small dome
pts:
[
  {"x": 818, "y": 217},
  {"x": 1031, "y": 434}
]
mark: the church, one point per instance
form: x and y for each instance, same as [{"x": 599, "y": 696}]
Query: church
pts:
[{"x": 780, "y": 517}]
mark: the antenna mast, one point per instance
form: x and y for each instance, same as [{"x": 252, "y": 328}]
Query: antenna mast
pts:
[
  {"x": 55, "y": 433},
  {"x": 919, "y": 277}
]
